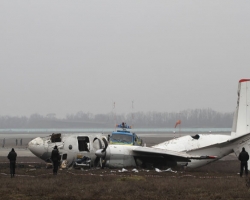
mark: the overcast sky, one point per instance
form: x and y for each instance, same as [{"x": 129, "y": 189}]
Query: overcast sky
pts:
[{"x": 68, "y": 56}]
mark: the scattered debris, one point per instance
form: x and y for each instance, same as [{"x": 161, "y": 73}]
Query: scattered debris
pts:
[
  {"x": 64, "y": 164},
  {"x": 135, "y": 170},
  {"x": 123, "y": 170},
  {"x": 167, "y": 170},
  {"x": 30, "y": 170},
  {"x": 49, "y": 165}
]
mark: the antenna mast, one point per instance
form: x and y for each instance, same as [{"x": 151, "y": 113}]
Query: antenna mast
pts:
[
  {"x": 132, "y": 114},
  {"x": 114, "y": 114}
]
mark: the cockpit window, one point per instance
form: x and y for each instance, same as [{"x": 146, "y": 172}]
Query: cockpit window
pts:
[
  {"x": 56, "y": 137},
  {"x": 83, "y": 143},
  {"x": 196, "y": 137},
  {"x": 122, "y": 138}
]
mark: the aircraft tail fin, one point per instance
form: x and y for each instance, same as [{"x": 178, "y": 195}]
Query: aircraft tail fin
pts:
[{"x": 241, "y": 122}]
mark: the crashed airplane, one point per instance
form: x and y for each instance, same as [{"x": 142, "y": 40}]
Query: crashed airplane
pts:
[
  {"x": 189, "y": 151},
  {"x": 79, "y": 148}
]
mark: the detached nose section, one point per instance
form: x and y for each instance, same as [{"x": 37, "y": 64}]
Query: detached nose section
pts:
[{"x": 36, "y": 146}]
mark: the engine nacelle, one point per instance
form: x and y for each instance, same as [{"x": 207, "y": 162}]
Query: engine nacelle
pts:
[{"x": 119, "y": 156}]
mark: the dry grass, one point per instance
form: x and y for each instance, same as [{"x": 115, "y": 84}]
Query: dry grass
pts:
[{"x": 216, "y": 181}]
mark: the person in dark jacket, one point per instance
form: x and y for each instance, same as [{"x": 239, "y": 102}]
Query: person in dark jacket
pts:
[
  {"x": 55, "y": 157},
  {"x": 243, "y": 157},
  {"x": 12, "y": 157}
]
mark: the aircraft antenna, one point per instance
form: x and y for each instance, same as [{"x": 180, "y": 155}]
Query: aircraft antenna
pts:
[
  {"x": 114, "y": 114},
  {"x": 132, "y": 114}
]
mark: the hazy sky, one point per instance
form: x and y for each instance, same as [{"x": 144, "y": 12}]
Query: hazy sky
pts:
[{"x": 59, "y": 56}]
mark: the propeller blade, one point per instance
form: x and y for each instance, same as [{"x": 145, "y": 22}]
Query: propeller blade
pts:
[
  {"x": 106, "y": 144},
  {"x": 100, "y": 153},
  {"x": 100, "y": 143}
]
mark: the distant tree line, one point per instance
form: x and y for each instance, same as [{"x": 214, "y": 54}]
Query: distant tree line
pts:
[{"x": 197, "y": 118}]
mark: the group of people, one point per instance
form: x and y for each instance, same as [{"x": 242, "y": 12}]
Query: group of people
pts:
[{"x": 55, "y": 158}]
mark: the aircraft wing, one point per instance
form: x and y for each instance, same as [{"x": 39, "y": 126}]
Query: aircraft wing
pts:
[{"x": 175, "y": 155}]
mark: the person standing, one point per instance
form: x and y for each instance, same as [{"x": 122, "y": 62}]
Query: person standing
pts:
[
  {"x": 55, "y": 157},
  {"x": 243, "y": 157},
  {"x": 12, "y": 157}
]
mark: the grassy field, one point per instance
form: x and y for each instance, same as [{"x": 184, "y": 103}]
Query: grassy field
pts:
[{"x": 219, "y": 180}]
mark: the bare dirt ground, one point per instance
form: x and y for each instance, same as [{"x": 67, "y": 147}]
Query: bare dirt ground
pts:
[{"x": 219, "y": 180}]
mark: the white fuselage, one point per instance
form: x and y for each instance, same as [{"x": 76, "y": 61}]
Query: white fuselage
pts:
[
  {"x": 123, "y": 156},
  {"x": 68, "y": 146},
  {"x": 194, "y": 147}
]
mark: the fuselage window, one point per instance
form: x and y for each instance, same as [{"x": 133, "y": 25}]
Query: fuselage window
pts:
[
  {"x": 196, "y": 137},
  {"x": 83, "y": 143}
]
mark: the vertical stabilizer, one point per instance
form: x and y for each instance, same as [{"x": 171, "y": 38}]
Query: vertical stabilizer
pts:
[{"x": 241, "y": 121}]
